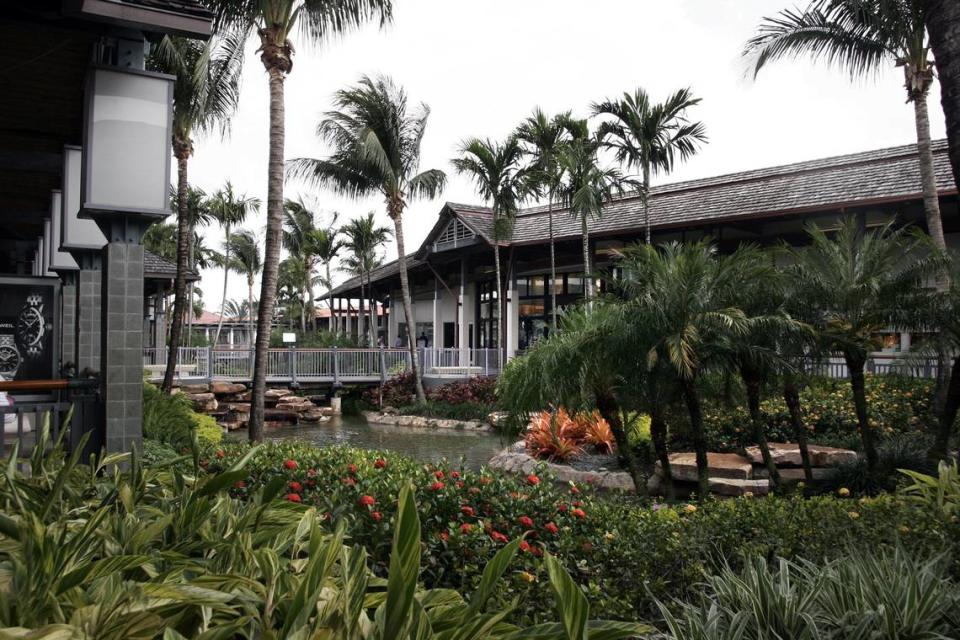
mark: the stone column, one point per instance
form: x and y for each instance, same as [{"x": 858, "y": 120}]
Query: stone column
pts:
[
  {"x": 122, "y": 351},
  {"x": 462, "y": 337},
  {"x": 88, "y": 336},
  {"x": 513, "y": 312},
  {"x": 68, "y": 319},
  {"x": 437, "y": 318}
]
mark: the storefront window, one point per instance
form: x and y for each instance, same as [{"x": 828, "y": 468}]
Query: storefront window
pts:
[{"x": 574, "y": 284}]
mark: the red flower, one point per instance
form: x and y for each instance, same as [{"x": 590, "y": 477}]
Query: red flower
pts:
[
  {"x": 467, "y": 511},
  {"x": 311, "y": 473},
  {"x": 525, "y": 522},
  {"x": 438, "y": 474},
  {"x": 352, "y": 469},
  {"x": 524, "y": 546},
  {"x": 296, "y": 487},
  {"x": 380, "y": 463},
  {"x": 562, "y": 508},
  {"x": 579, "y": 513},
  {"x": 551, "y": 527},
  {"x": 220, "y": 453},
  {"x": 311, "y": 483},
  {"x": 436, "y": 486},
  {"x": 366, "y": 501},
  {"x": 444, "y": 536},
  {"x": 532, "y": 479},
  {"x": 459, "y": 484},
  {"x": 474, "y": 490},
  {"x": 466, "y": 528},
  {"x": 499, "y": 537},
  {"x": 537, "y": 551},
  {"x": 454, "y": 474},
  {"x": 290, "y": 464},
  {"x": 377, "y": 516},
  {"x": 577, "y": 503},
  {"x": 349, "y": 481},
  {"x": 239, "y": 484},
  {"x": 293, "y": 497},
  {"x": 573, "y": 489}
]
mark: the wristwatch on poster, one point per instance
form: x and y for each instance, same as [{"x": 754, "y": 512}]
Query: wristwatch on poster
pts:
[
  {"x": 31, "y": 326},
  {"x": 9, "y": 357}
]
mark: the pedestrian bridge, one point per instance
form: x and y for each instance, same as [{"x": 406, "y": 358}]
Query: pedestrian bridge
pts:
[{"x": 322, "y": 366}]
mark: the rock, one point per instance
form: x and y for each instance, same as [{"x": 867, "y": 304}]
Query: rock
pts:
[
  {"x": 192, "y": 389},
  {"x": 788, "y": 454},
  {"x": 203, "y": 402},
  {"x": 276, "y": 394},
  {"x": 514, "y": 459},
  {"x": 313, "y": 415},
  {"x": 226, "y": 388},
  {"x": 795, "y": 474},
  {"x": 389, "y": 411},
  {"x": 683, "y": 466},
  {"x": 738, "y": 486},
  {"x": 498, "y": 419}
]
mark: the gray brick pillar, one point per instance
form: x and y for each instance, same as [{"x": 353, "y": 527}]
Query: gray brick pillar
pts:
[
  {"x": 122, "y": 350},
  {"x": 68, "y": 319},
  {"x": 88, "y": 317}
]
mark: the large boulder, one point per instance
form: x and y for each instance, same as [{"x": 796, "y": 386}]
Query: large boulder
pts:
[
  {"x": 276, "y": 394},
  {"x": 683, "y": 466},
  {"x": 787, "y": 454},
  {"x": 738, "y": 487},
  {"x": 195, "y": 388},
  {"x": 221, "y": 388},
  {"x": 203, "y": 402}
]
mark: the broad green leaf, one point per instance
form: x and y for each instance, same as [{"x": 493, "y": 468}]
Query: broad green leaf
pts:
[
  {"x": 572, "y": 606},
  {"x": 404, "y": 567},
  {"x": 492, "y": 574}
]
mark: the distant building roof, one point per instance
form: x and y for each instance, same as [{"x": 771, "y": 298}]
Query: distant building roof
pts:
[
  {"x": 852, "y": 180},
  {"x": 157, "y": 268}
]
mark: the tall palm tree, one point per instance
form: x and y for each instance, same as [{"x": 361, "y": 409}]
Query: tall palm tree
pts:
[
  {"x": 273, "y": 22},
  {"x": 650, "y": 137},
  {"x": 291, "y": 283},
  {"x": 229, "y": 209},
  {"x": 160, "y": 239},
  {"x": 299, "y": 228},
  {"x": 943, "y": 24},
  {"x": 246, "y": 261},
  {"x": 198, "y": 215},
  {"x": 376, "y": 140},
  {"x": 542, "y": 138},
  {"x": 861, "y": 283},
  {"x": 496, "y": 170},
  {"x": 364, "y": 238},
  {"x": 327, "y": 244},
  {"x": 205, "y": 95},
  {"x": 587, "y": 186},
  {"x": 863, "y": 35}
]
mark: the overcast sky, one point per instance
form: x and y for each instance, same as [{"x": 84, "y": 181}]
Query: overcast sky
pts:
[{"x": 483, "y": 66}]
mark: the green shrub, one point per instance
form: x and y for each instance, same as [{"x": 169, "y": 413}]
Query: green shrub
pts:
[
  {"x": 446, "y": 411},
  {"x": 900, "y": 451},
  {"x": 208, "y": 431},
  {"x": 621, "y": 555},
  {"x": 171, "y": 420}
]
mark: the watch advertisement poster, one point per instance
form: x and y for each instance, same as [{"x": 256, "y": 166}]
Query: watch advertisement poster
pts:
[{"x": 27, "y": 309}]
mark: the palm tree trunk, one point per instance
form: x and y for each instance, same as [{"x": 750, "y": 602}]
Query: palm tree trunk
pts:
[
  {"x": 751, "y": 380},
  {"x": 928, "y": 179},
  {"x": 941, "y": 446},
  {"x": 360, "y": 315},
  {"x": 331, "y": 322},
  {"x": 587, "y": 275},
  {"x": 553, "y": 269},
  {"x": 313, "y": 311},
  {"x": 646, "y": 204},
  {"x": 303, "y": 311},
  {"x": 791, "y": 396},
  {"x": 180, "y": 282},
  {"x": 501, "y": 307},
  {"x": 943, "y": 23},
  {"x": 271, "y": 258},
  {"x": 407, "y": 305},
  {"x": 226, "y": 274},
  {"x": 250, "y": 309},
  {"x": 692, "y": 400},
  {"x": 658, "y": 434},
  {"x": 855, "y": 364},
  {"x": 609, "y": 409},
  {"x": 372, "y": 312}
]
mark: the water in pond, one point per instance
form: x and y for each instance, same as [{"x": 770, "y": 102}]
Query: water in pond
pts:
[{"x": 426, "y": 445}]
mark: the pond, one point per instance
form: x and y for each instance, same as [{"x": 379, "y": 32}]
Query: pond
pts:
[{"x": 426, "y": 445}]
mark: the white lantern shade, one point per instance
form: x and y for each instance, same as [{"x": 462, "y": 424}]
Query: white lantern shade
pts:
[
  {"x": 59, "y": 260},
  {"x": 126, "y": 150},
  {"x": 77, "y": 234}
]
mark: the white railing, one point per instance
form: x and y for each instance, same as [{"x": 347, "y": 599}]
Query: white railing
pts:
[
  {"x": 192, "y": 362},
  {"x": 460, "y": 362},
  {"x": 904, "y": 365}
]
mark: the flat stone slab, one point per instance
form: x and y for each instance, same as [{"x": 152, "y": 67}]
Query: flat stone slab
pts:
[
  {"x": 738, "y": 487},
  {"x": 683, "y": 466},
  {"x": 788, "y": 454},
  {"x": 276, "y": 394},
  {"x": 227, "y": 388},
  {"x": 515, "y": 460},
  {"x": 421, "y": 422},
  {"x": 795, "y": 474},
  {"x": 194, "y": 388}
]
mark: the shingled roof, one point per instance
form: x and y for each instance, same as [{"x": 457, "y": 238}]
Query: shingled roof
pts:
[
  {"x": 157, "y": 268},
  {"x": 183, "y": 7},
  {"x": 826, "y": 184}
]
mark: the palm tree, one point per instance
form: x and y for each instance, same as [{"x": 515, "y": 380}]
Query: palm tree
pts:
[
  {"x": 198, "y": 215},
  {"x": 680, "y": 295},
  {"x": 327, "y": 244},
  {"x": 364, "y": 238},
  {"x": 205, "y": 95},
  {"x": 160, "y": 239},
  {"x": 291, "y": 283},
  {"x": 229, "y": 209},
  {"x": 587, "y": 186},
  {"x": 376, "y": 142},
  {"x": 943, "y": 23},
  {"x": 500, "y": 179},
  {"x": 650, "y": 137},
  {"x": 274, "y": 21},
  {"x": 860, "y": 283},
  {"x": 863, "y": 35},
  {"x": 247, "y": 262},
  {"x": 299, "y": 227},
  {"x": 543, "y": 137}
]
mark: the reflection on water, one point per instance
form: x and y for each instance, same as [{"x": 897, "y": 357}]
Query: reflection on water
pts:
[{"x": 427, "y": 445}]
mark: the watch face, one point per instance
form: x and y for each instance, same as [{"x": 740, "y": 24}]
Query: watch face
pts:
[
  {"x": 31, "y": 327},
  {"x": 9, "y": 357}
]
